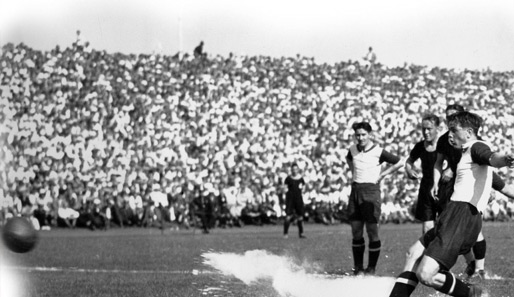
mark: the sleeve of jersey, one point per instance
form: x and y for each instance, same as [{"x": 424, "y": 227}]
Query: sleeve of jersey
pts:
[
  {"x": 349, "y": 155},
  {"x": 416, "y": 152},
  {"x": 498, "y": 183},
  {"x": 440, "y": 145},
  {"x": 388, "y": 157},
  {"x": 481, "y": 153}
]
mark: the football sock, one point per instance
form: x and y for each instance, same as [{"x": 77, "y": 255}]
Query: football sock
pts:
[
  {"x": 300, "y": 227},
  {"x": 358, "y": 247},
  {"x": 479, "y": 250},
  {"x": 286, "y": 226},
  {"x": 453, "y": 286},
  {"x": 374, "y": 253},
  {"x": 404, "y": 285}
]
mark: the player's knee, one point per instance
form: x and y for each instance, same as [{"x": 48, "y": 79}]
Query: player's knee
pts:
[
  {"x": 412, "y": 254},
  {"x": 357, "y": 234},
  {"x": 425, "y": 276},
  {"x": 373, "y": 235}
]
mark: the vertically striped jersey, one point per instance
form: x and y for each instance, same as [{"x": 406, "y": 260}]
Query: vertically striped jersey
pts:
[{"x": 474, "y": 176}]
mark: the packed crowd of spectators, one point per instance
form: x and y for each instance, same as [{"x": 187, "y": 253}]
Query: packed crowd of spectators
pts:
[{"x": 90, "y": 138}]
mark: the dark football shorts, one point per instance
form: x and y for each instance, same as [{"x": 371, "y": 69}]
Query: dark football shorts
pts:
[
  {"x": 365, "y": 203},
  {"x": 295, "y": 206},
  {"x": 454, "y": 234}
]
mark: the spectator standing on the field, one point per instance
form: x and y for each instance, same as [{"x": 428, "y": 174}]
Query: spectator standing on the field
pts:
[
  {"x": 295, "y": 208},
  {"x": 365, "y": 160}
]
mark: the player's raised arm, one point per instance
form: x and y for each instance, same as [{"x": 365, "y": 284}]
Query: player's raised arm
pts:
[
  {"x": 508, "y": 191},
  {"x": 392, "y": 168},
  {"x": 499, "y": 160}
]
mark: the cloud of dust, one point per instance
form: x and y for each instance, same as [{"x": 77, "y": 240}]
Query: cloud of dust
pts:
[{"x": 290, "y": 279}]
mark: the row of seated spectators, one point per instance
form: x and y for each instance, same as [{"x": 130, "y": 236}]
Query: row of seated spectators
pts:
[
  {"x": 84, "y": 130},
  {"x": 206, "y": 210}
]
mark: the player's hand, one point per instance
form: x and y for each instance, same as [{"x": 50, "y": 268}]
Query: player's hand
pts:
[
  {"x": 447, "y": 175},
  {"x": 491, "y": 198},
  {"x": 434, "y": 191},
  {"x": 379, "y": 179},
  {"x": 510, "y": 160}
]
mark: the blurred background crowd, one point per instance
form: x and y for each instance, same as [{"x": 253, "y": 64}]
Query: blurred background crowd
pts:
[{"x": 96, "y": 139}]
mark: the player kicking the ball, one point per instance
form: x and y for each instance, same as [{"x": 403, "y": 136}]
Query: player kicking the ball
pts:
[{"x": 457, "y": 229}]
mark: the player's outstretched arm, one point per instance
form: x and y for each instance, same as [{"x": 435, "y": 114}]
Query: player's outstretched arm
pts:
[
  {"x": 501, "y": 160},
  {"x": 410, "y": 169},
  {"x": 393, "y": 168},
  {"x": 508, "y": 191}
]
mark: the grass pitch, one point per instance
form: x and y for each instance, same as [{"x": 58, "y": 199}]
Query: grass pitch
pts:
[{"x": 148, "y": 262}]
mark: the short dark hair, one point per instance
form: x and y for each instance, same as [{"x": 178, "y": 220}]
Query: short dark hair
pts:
[
  {"x": 432, "y": 118},
  {"x": 362, "y": 125},
  {"x": 466, "y": 119},
  {"x": 456, "y": 107}
]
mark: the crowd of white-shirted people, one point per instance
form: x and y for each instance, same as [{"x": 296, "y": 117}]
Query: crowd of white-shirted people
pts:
[{"x": 97, "y": 140}]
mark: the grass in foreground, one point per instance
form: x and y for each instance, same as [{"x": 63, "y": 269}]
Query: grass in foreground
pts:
[{"x": 146, "y": 262}]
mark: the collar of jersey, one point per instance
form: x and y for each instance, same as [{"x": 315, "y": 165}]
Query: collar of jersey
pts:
[
  {"x": 467, "y": 145},
  {"x": 365, "y": 151}
]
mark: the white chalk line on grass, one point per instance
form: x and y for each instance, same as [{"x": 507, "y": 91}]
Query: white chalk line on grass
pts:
[
  {"x": 86, "y": 270},
  {"x": 179, "y": 272}
]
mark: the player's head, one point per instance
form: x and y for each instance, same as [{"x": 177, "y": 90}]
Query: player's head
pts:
[
  {"x": 295, "y": 169},
  {"x": 430, "y": 126},
  {"x": 362, "y": 133},
  {"x": 453, "y": 108},
  {"x": 362, "y": 125},
  {"x": 463, "y": 126}
]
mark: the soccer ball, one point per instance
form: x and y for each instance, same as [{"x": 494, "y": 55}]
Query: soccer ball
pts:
[{"x": 19, "y": 235}]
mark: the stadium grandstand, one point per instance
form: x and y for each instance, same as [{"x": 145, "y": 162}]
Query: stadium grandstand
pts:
[{"x": 96, "y": 139}]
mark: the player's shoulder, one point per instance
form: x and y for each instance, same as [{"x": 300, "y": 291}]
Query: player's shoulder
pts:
[
  {"x": 443, "y": 139},
  {"x": 353, "y": 150},
  {"x": 419, "y": 145},
  {"x": 479, "y": 145}
]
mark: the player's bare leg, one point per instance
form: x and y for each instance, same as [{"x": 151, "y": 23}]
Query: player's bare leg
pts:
[
  {"x": 427, "y": 225},
  {"x": 407, "y": 281},
  {"x": 430, "y": 274},
  {"x": 413, "y": 256}
]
